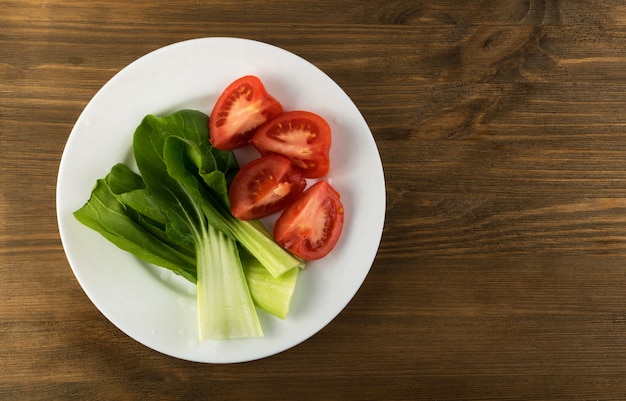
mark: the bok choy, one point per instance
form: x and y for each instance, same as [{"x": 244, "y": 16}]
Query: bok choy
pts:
[{"x": 175, "y": 214}]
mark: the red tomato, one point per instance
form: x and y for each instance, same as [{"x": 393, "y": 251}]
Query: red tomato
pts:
[
  {"x": 240, "y": 109},
  {"x": 311, "y": 226},
  {"x": 301, "y": 136},
  {"x": 265, "y": 186}
]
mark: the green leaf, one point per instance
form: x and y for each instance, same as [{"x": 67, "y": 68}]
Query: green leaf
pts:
[
  {"x": 129, "y": 187},
  {"x": 106, "y": 214}
]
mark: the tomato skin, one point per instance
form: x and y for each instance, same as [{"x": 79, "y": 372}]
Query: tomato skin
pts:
[
  {"x": 311, "y": 226},
  {"x": 264, "y": 186},
  {"x": 301, "y": 136},
  {"x": 240, "y": 109}
]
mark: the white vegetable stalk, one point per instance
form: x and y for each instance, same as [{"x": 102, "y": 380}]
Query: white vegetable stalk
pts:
[{"x": 225, "y": 306}]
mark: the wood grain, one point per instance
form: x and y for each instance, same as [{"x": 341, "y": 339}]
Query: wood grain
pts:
[{"x": 502, "y": 132}]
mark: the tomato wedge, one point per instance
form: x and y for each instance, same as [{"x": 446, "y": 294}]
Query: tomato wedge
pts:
[
  {"x": 265, "y": 186},
  {"x": 241, "y": 108},
  {"x": 311, "y": 226},
  {"x": 301, "y": 136}
]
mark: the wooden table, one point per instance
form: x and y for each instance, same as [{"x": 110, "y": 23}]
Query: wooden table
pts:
[{"x": 501, "y": 274}]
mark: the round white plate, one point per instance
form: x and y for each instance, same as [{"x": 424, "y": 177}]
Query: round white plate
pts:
[{"x": 156, "y": 307}]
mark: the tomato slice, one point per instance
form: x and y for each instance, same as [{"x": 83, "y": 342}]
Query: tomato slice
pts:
[
  {"x": 241, "y": 108},
  {"x": 301, "y": 136},
  {"x": 311, "y": 226},
  {"x": 265, "y": 186}
]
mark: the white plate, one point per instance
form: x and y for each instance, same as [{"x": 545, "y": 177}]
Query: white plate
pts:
[{"x": 157, "y": 308}]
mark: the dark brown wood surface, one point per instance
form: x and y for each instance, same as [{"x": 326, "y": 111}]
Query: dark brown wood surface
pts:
[{"x": 501, "y": 273}]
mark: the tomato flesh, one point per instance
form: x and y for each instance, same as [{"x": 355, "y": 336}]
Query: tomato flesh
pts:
[
  {"x": 301, "y": 136},
  {"x": 241, "y": 108},
  {"x": 310, "y": 227},
  {"x": 264, "y": 186}
]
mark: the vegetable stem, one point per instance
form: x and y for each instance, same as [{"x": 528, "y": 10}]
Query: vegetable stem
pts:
[{"x": 225, "y": 306}]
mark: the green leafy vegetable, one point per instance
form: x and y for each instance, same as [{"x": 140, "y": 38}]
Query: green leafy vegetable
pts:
[
  {"x": 138, "y": 234},
  {"x": 176, "y": 215},
  {"x": 187, "y": 149}
]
